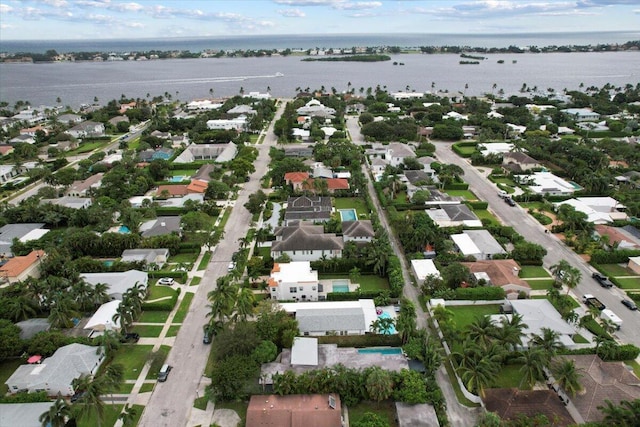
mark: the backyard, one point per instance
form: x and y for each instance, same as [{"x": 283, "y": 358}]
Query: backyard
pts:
[
  {"x": 367, "y": 282},
  {"x": 386, "y": 410},
  {"x": 467, "y": 194},
  {"x": 464, "y": 315},
  {"x": 352, "y": 203}
]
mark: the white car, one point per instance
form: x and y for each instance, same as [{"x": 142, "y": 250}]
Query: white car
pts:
[
  {"x": 166, "y": 281},
  {"x": 231, "y": 266}
]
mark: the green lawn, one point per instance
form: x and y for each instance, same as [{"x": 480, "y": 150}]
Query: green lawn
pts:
[
  {"x": 147, "y": 387},
  {"x": 579, "y": 339},
  {"x": 173, "y": 330},
  {"x": 7, "y": 367},
  {"x": 485, "y": 214},
  {"x": 263, "y": 251},
  {"x": 125, "y": 388},
  {"x": 508, "y": 377},
  {"x": 86, "y": 147},
  {"x": 181, "y": 313},
  {"x": 133, "y": 358},
  {"x": 148, "y": 331},
  {"x": 153, "y": 317},
  {"x": 185, "y": 257},
  {"x": 386, "y": 410},
  {"x": 201, "y": 403},
  {"x": 184, "y": 172},
  {"x": 401, "y": 198},
  {"x": 367, "y": 282},
  {"x": 466, "y": 150},
  {"x": 155, "y": 292},
  {"x": 615, "y": 270},
  {"x": 540, "y": 284},
  {"x": 466, "y": 314},
  {"x": 195, "y": 281},
  {"x": 467, "y": 194},
  {"x": 239, "y": 407},
  {"x": 635, "y": 365},
  {"x": 204, "y": 261},
  {"x": 629, "y": 283},
  {"x": 356, "y": 203},
  {"x": 111, "y": 413},
  {"x": 532, "y": 205},
  {"x": 157, "y": 362},
  {"x": 529, "y": 271}
]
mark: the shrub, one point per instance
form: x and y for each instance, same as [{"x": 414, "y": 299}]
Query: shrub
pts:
[
  {"x": 456, "y": 186},
  {"x": 614, "y": 257},
  {"x": 480, "y": 293},
  {"x": 40, "y": 396},
  {"x": 180, "y": 275},
  {"x": 477, "y": 205}
]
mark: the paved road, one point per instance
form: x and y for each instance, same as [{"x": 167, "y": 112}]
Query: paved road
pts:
[
  {"x": 532, "y": 231},
  {"x": 458, "y": 415},
  {"x": 172, "y": 401}
]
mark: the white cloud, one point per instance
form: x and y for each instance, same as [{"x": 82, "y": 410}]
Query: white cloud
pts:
[
  {"x": 292, "y": 13},
  {"x": 360, "y": 5},
  {"x": 637, "y": 11},
  {"x": 5, "y": 8},
  {"x": 55, "y": 3},
  {"x": 308, "y": 2}
]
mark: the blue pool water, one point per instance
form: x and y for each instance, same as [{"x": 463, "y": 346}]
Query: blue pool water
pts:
[
  {"x": 348, "y": 214},
  {"x": 340, "y": 285},
  {"x": 108, "y": 263},
  {"x": 575, "y": 185},
  {"x": 124, "y": 229},
  {"x": 380, "y": 350},
  {"x": 391, "y": 330},
  {"x": 179, "y": 178}
]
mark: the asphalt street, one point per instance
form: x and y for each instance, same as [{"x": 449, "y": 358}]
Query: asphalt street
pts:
[
  {"x": 532, "y": 231},
  {"x": 172, "y": 401}
]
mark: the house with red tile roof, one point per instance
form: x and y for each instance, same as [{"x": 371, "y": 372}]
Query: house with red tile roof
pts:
[
  {"x": 197, "y": 186},
  {"x": 297, "y": 179},
  {"x": 295, "y": 410},
  {"x": 6, "y": 149},
  {"x": 18, "y": 268},
  {"x": 172, "y": 190},
  {"x": 334, "y": 184}
]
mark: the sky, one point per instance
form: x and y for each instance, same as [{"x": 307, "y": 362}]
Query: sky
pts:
[{"x": 113, "y": 19}]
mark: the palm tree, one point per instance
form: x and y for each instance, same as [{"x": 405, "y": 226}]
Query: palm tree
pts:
[
  {"x": 381, "y": 325},
  {"x": 124, "y": 316},
  {"x": 113, "y": 377},
  {"x": 57, "y": 414},
  {"x": 406, "y": 321},
  {"x": 244, "y": 304},
  {"x": 478, "y": 373},
  {"x": 481, "y": 331},
  {"x": 549, "y": 341},
  {"x": 20, "y": 307},
  {"x": 511, "y": 331},
  {"x": 567, "y": 375},
  {"x": 128, "y": 415},
  {"x": 61, "y": 312},
  {"x": 90, "y": 403},
  {"x": 533, "y": 360}
]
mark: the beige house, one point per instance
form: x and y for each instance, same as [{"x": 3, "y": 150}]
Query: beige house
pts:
[{"x": 19, "y": 268}]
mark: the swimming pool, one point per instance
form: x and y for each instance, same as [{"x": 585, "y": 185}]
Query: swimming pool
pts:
[
  {"x": 348, "y": 214},
  {"x": 108, "y": 262},
  {"x": 391, "y": 330},
  {"x": 179, "y": 178},
  {"x": 380, "y": 350},
  {"x": 341, "y": 285},
  {"x": 124, "y": 229}
]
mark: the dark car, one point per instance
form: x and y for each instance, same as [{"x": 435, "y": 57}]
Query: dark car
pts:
[
  {"x": 602, "y": 280},
  {"x": 629, "y": 304},
  {"x": 164, "y": 372},
  {"x": 77, "y": 396},
  {"x": 206, "y": 339},
  {"x": 130, "y": 337},
  {"x": 510, "y": 201}
]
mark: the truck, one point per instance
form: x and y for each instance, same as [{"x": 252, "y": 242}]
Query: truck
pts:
[
  {"x": 609, "y": 316},
  {"x": 592, "y": 301},
  {"x": 602, "y": 280}
]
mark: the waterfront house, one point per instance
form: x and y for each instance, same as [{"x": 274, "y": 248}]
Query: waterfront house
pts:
[{"x": 582, "y": 114}]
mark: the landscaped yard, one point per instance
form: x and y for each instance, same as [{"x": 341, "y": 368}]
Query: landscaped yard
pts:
[
  {"x": 111, "y": 413},
  {"x": 204, "y": 261},
  {"x": 615, "y": 270},
  {"x": 485, "y": 214},
  {"x": 465, "y": 314},
  {"x": 508, "y": 377},
  {"x": 467, "y": 194},
  {"x": 147, "y": 387},
  {"x": 352, "y": 203},
  {"x": 529, "y": 271},
  {"x": 367, "y": 282},
  {"x": 629, "y": 283},
  {"x": 148, "y": 331},
  {"x": 184, "y": 172},
  {"x": 184, "y": 257},
  {"x": 540, "y": 284},
  {"x": 195, "y": 281},
  {"x": 153, "y": 317},
  {"x": 184, "y": 308},
  {"x": 86, "y": 147},
  {"x": 133, "y": 358},
  {"x": 173, "y": 330},
  {"x": 385, "y": 409},
  {"x": 156, "y": 291}
]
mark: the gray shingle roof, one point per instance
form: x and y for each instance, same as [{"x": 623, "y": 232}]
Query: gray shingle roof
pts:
[
  {"x": 459, "y": 212},
  {"x": 160, "y": 226},
  {"x": 15, "y": 231},
  {"x": 362, "y": 228},
  {"x": 305, "y": 237},
  {"x": 330, "y": 319},
  {"x": 308, "y": 207}
]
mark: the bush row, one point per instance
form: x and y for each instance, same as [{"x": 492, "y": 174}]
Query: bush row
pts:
[
  {"x": 456, "y": 186},
  {"x": 368, "y": 340},
  {"x": 180, "y": 275},
  {"x": 477, "y": 205},
  {"x": 611, "y": 353},
  {"x": 352, "y": 296},
  {"x": 615, "y": 257},
  {"x": 480, "y": 293}
]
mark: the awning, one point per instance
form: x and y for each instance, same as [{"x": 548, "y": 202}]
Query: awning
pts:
[{"x": 34, "y": 359}]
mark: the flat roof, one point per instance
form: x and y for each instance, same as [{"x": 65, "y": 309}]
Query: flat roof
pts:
[
  {"x": 424, "y": 268},
  {"x": 304, "y": 351},
  {"x": 465, "y": 244}
]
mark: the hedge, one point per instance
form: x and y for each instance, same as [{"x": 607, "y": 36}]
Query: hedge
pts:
[
  {"x": 618, "y": 353},
  {"x": 480, "y": 293},
  {"x": 456, "y": 186},
  {"x": 170, "y": 211},
  {"x": 180, "y": 275},
  {"x": 477, "y": 205},
  {"x": 352, "y": 296},
  {"x": 25, "y": 397},
  {"x": 369, "y": 340},
  {"x": 615, "y": 257}
]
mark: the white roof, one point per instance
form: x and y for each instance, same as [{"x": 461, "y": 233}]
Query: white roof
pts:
[
  {"x": 545, "y": 182},
  {"x": 304, "y": 351},
  {"x": 33, "y": 235},
  {"x": 296, "y": 271},
  {"x": 485, "y": 241},
  {"x": 495, "y": 148},
  {"x": 465, "y": 244},
  {"x": 424, "y": 268},
  {"x": 119, "y": 282},
  {"x": 102, "y": 319},
  {"x": 597, "y": 214},
  {"x": 23, "y": 414}
]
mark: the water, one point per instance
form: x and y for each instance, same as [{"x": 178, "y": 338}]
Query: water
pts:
[
  {"x": 340, "y": 285},
  {"x": 187, "y": 79},
  {"x": 348, "y": 214},
  {"x": 380, "y": 350},
  {"x": 124, "y": 229},
  {"x": 391, "y": 330},
  {"x": 179, "y": 178}
]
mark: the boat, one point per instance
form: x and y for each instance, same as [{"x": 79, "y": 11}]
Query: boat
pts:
[{"x": 279, "y": 74}]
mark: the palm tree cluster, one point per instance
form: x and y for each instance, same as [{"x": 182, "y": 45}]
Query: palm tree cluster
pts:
[
  {"x": 130, "y": 307},
  {"x": 229, "y": 301}
]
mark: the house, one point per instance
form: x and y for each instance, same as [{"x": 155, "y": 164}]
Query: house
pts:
[
  {"x": 19, "y": 268},
  {"x": 512, "y": 403},
  {"x": 203, "y": 104},
  {"x": 118, "y": 282},
  {"x": 454, "y": 215},
  {"x": 423, "y": 268},
  {"x": 616, "y": 237},
  {"x": 518, "y": 162},
  {"x": 23, "y": 138},
  {"x": 228, "y": 153},
  {"x": 242, "y": 109},
  {"x": 334, "y": 184},
  {"x": 304, "y": 242},
  {"x": 69, "y": 118},
  {"x": 69, "y": 202},
  {"x": 84, "y": 188},
  {"x": 396, "y": 153},
  {"x": 23, "y": 232},
  {"x": 333, "y": 317},
  {"x": 23, "y": 414},
  {"x": 407, "y": 95},
  {"x": 5, "y": 150},
  {"x": 239, "y": 124},
  {"x": 126, "y": 106},
  {"x": 161, "y": 226},
  {"x": 582, "y": 114},
  {"x": 152, "y": 257},
  {"x": 378, "y": 166},
  {"x": 314, "y": 108},
  {"x": 31, "y": 327},
  {"x": 548, "y": 183},
  {"x": 301, "y": 134},
  {"x": 296, "y": 179},
  {"x": 203, "y": 174},
  {"x": 151, "y": 154},
  {"x": 308, "y": 208},
  {"x": 294, "y": 410},
  {"x": 602, "y": 381},
  {"x": 87, "y": 129},
  {"x": 293, "y": 281},
  {"x": 634, "y": 264},
  {"x": 172, "y": 190},
  {"x": 30, "y": 116},
  {"x": 197, "y": 186},
  {"x": 103, "y": 319},
  {"x": 118, "y": 119},
  {"x": 495, "y": 148},
  {"x": 502, "y": 273},
  {"x": 359, "y": 231},
  {"x": 298, "y": 151},
  {"x": 56, "y": 373},
  {"x": 477, "y": 243},
  {"x": 257, "y": 95},
  {"x": 599, "y": 210}
]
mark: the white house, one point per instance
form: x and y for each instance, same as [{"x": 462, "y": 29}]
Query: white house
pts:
[
  {"x": 152, "y": 257},
  {"x": 333, "y": 317},
  {"x": 118, "y": 282},
  {"x": 396, "y": 153},
  {"x": 477, "y": 243},
  {"x": 548, "y": 183},
  {"x": 407, "y": 95},
  {"x": 87, "y": 129},
  {"x": 56, "y": 373},
  {"x": 582, "y": 114},
  {"x": 599, "y": 210},
  {"x": 238, "y": 123},
  {"x": 423, "y": 268},
  {"x": 102, "y": 319},
  {"x": 315, "y": 108},
  {"x": 495, "y": 148},
  {"x": 69, "y": 202},
  {"x": 294, "y": 281},
  {"x": 358, "y": 231},
  {"x": 81, "y": 188},
  {"x": 634, "y": 264}
]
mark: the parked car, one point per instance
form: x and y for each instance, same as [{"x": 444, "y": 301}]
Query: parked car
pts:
[
  {"x": 629, "y": 304},
  {"x": 206, "y": 339},
  {"x": 231, "y": 266},
  {"x": 168, "y": 281},
  {"x": 510, "y": 201},
  {"x": 130, "y": 337},
  {"x": 602, "y": 280},
  {"x": 164, "y": 372}
]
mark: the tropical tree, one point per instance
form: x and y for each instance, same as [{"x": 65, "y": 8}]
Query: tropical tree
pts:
[
  {"x": 626, "y": 414},
  {"x": 90, "y": 403},
  {"x": 567, "y": 375},
  {"x": 128, "y": 415},
  {"x": 510, "y": 332},
  {"x": 123, "y": 316},
  {"x": 244, "y": 304},
  {"x": 61, "y": 312},
  {"x": 113, "y": 377},
  {"x": 406, "y": 321},
  {"x": 482, "y": 331},
  {"x": 533, "y": 360},
  {"x": 57, "y": 415},
  {"x": 478, "y": 372},
  {"x": 548, "y": 341},
  {"x": 379, "y": 384}
]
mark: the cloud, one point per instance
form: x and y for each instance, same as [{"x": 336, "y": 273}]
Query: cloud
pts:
[
  {"x": 637, "y": 11},
  {"x": 501, "y": 8},
  {"x": 291, "y": 13},
  {"x": 308, "y": 2},
  {"x": 361, "y": 5},
  {"x": 54, "y": 3},
  {"x": 5, "y": 8}
]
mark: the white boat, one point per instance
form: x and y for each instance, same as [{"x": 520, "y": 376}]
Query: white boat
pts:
[{"x": 278, "y": 74}]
